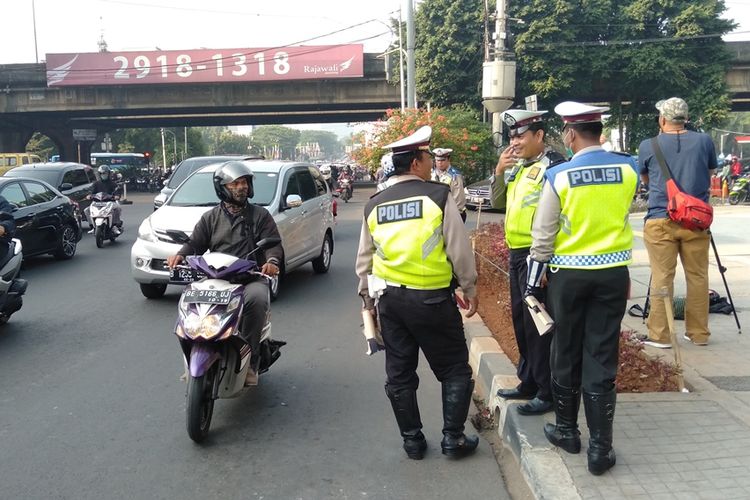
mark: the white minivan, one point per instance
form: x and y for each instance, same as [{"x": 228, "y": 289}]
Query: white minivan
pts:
[{"x": 294, "y": 193}]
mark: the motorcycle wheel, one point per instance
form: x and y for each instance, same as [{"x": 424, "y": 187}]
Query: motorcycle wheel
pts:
[
  {"x": 737, "y": 197},
  {"x": 99, "y": 236},
  {"x": 200, "y": 405}
]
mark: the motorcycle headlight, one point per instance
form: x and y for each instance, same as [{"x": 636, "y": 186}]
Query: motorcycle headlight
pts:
[{"x": 146, "y": 232}]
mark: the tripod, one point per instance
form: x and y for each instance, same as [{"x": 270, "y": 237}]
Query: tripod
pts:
[{"x": 722, "y": 270}]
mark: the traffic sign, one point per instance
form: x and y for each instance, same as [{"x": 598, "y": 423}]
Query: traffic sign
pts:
[
  {"x": 84, "y": 134},
  {"x": 531, "y": 104}
]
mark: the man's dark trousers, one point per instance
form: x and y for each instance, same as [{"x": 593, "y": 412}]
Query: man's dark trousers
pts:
[
  {"x": 427, "y": 319},
  {"x": 533, "y": 366}
]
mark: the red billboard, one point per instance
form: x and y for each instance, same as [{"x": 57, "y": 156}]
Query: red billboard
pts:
[{"x": 206, "y": 66}]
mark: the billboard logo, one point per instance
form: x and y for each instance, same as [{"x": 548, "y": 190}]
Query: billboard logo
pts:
[
  {"x": 58, "y": 74},
  {"x": 332, "y": 69}
]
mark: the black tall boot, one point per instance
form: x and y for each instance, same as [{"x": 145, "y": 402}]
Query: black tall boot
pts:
[
  {"x": 565, "y": 433},
  {"x": 456, "y": 401},
  {"x": 406, "y": 410},
  {"x": 600, "y": 414}
]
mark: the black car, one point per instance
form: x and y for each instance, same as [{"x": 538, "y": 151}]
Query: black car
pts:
[
  {"x": 74, "y": 180},
  {"x": 45, "y": 218}
]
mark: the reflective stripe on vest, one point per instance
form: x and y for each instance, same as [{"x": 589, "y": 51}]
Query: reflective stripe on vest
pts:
[
  {"x": 523, "y": 197},
  {"x": 595, "y": 231},
  {"x": 408, "y": 235}
]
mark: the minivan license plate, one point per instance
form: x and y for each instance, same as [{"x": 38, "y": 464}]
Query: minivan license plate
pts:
[
  {"x": 207, "y": 296},
  {"x": 183, "y": 275}
]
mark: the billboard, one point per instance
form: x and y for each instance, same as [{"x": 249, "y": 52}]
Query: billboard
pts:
[{"x": 206, "y": 66}]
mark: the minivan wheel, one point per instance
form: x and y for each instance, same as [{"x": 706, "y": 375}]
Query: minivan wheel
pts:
[
  {"x": 66, "y": 247},
  {"x": 151, "y": 291},
  {"x": 323, "y": 263},
  {"x": 275, "y": 284}
]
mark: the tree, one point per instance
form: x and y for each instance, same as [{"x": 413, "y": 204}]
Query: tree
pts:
[
  {"x": 458, "y": 128},
  {"x": 231, "y": 143},
  {"x": 329, "y": 144},
  {"x": 449, "y": 52},
  {"x": 41, "y": 145},
  {"x": 275, "y": 141},
  {"x": 640, "y": 51}
]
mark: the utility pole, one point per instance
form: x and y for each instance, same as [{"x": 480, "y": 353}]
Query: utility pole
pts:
[
  {"x": 163, "y": 152},
  {"x": 499, "y": 75},
  {"x": 33, "y": 16},
  {"x": 185, "y": 149},
  {"x": 411, "y": 100}
]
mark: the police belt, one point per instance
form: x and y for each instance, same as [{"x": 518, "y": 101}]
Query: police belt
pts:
[{"x": 392, "y": 284}]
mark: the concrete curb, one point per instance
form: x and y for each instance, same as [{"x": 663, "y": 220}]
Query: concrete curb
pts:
[{"x": 541, "y": 465}]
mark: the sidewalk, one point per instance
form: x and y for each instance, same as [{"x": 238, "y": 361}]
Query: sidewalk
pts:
[{"x": 669, "y": 445}]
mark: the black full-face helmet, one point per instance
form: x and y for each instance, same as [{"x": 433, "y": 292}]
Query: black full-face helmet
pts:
[{"x": 230, "y": 172}]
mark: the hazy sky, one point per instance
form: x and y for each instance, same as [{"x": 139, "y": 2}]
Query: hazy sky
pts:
[{"x": 132, "y": 25}]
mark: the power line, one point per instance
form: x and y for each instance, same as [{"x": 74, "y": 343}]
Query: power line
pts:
[{"x": 606, "y": 43}]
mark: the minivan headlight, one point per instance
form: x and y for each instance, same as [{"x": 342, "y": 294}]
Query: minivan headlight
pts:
[{"x": 145, "y": 231}]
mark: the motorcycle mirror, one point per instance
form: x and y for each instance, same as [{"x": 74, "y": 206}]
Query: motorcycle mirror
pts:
[
  {"x": 178, "y": 236},
  {"x": 267, "y": 243}
]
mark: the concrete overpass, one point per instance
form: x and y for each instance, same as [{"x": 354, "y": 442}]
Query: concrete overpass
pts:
[{"x": 27, "y": 105}]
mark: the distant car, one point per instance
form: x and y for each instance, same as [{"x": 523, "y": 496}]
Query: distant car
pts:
[
  {"x": 74, "y": 180},
  {"x": 478, "y": 194},
  {"x": 294, "y": 193},
  {"x": 45, "y": 218},
  {"x": 189, "y": 165}
]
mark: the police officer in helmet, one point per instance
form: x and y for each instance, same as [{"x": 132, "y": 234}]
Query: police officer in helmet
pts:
[
  {"x": 412, "y": 244},
  {"x": 234, "y": 227}
]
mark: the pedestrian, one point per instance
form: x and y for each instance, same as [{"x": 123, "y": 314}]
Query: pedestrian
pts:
[
  {"x": 691, "y": 160},
  {"x": 582, "y": 234},
  {"x": 412, "y": 244},
  {"x": 525, "y": 162},
  {"x": 446, "y": 173}
]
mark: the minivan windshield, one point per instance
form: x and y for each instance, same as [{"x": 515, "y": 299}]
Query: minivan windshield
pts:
[
  {"x": 198, "y": 190},
  {"x": 187, "y": 167}
]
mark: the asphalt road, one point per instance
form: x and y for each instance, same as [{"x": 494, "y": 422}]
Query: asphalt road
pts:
[{"x": 91, "y": 405}]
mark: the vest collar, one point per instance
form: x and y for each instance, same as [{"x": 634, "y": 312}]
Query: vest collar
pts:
[{"x": 590, "y": 149}]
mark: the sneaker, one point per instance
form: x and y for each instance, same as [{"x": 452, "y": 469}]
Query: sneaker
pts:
[
  {"x": 658, "y": 345},
  {"x": 252, "y": 378},
  {"x": 116, "y": 230},
  {"x": 91, "y": 231},
  {"x": 685, "y": 337}
]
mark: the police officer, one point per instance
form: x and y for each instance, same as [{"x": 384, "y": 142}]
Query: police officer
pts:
[
  {"x": 448, "y": 174},
  {"x": 412, "y": 244},
  {"x": 581, "y": 232},
  {"x": 516, "y": 187}
]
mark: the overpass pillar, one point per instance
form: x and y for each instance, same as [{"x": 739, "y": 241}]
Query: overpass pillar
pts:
[
  {"x": 14, "y": 140},
  {"x": 70, "y": 149}
]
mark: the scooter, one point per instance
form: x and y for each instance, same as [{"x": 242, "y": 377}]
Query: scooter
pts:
[
  {"x": 208, "y": 327},
  {"x": 102, "y": 210},
  {"x": 345, "y": 189},
  {"x": 12, "y": 287},
  {"x": 740, "y": 190}
]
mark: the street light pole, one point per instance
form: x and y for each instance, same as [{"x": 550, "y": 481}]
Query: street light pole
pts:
[
  {"x": 163, "y": 153},
  {"x": 411, "y": 99},
  {"x": 174, "y": 137},
  {"x": 185, "y": 149},
  {"x": 33, "y": 15}
]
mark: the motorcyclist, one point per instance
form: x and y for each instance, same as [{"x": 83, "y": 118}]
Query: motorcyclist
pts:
[
  {"x": 106, "y": 184},
  {"x": 233, "y": 227},
  {"x": 346, "y": 174},
  {"x": 7, "y": 227}
]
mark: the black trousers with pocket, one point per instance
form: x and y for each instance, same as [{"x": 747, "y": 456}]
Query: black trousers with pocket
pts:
[{"x": 429, "y": 320}]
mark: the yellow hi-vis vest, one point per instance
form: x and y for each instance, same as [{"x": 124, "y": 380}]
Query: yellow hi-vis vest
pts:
[
  {"x": 406, "y": 225},
  {"x": 595, "y": 190},
  {"x": 524, "y": 192}
]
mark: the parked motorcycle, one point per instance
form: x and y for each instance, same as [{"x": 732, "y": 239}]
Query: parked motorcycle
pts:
[
  {"x": 740, "y": 191},
  {"x": 102, "y": 210},
  {"x": 12, "y": 287},
  {"x": 344, "y": 189},
  {"x": 208, "y": 326}
]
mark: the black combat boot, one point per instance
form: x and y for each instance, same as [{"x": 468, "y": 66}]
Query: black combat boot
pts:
[
  {"x": 565, "y": 432},
  {"x": 456, "y": 401},
  {"x": 600, "y": 414},
  {"x": 406, "y": 410}
]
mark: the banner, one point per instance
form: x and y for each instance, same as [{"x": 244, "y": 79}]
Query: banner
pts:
[{"x": 206, "y": 66}]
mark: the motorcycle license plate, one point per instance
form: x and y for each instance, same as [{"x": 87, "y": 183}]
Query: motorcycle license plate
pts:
[
  {"x": 180, "y": 275},
  {"x": 207, "y": 296}
]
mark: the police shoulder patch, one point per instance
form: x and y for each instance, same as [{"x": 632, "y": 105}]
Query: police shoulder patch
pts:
[{"x": 533, "y": 173}]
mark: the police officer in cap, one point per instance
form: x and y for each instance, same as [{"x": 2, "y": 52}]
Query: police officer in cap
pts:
[
  {"x": 412, "y": 244},
  {"x": 582, "y": 234},
  {"x": 448, "y": 174},
  {"x": 516, "y": 187}
]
